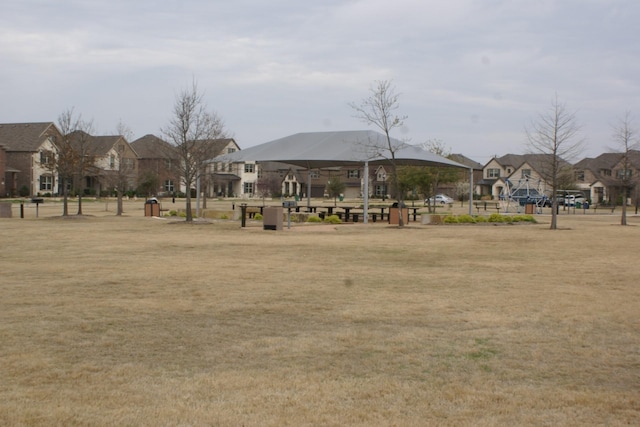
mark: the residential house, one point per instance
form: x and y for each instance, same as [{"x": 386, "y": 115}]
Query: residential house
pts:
[
  {"x": 3, "y": 167},
  {"x": 513, "y": 171},
  {"x": 29, "y": 154},
  {"x": 227, "y": 179},
  {"x": 111, "y": 163},
  {"x": 601, "y": 177},
  {"x": 158, "y": 166},
  {"x": 477, "y": 169},
  {"x": 379, "y": 182}
]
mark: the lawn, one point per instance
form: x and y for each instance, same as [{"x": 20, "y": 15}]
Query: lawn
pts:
[{"x": 143, "y": 321}]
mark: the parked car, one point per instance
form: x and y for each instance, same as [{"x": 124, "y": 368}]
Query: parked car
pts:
[
  {"x": 527, "y": 195},
  {"x": 440, "y": 199},
  {"x": 572, "y": 200}
]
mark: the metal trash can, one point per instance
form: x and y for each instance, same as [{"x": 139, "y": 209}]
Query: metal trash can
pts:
[{"x": 272, "y": 218}]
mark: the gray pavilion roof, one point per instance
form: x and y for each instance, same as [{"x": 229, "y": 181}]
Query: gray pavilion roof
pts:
[{"x": 340, "y": 148}]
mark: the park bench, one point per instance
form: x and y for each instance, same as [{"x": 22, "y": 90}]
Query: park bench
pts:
[
  {"x": 601, "y": 206},
  {"x": 486, "y": 203}
]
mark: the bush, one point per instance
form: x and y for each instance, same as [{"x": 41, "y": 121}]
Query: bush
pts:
[
  {"x": 182, "y": 214},
  {"x": 24, "y": 191},
  {"x": 258, "y": 217},
  {"x": 451, "y": 219},
  {"x": 333, "y": 219},
  {"x": 314, "y": 219},
  {"x": 496, "y": 217},
  {"x": 466, "y": 219},
  {"x": 524, "y": 218}
]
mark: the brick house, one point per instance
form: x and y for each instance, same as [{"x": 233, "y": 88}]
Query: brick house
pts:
[
  {"x": 28, "y": 150},
  {"x": 157, "y": 164},
  {"x": 601, "y": 177}
]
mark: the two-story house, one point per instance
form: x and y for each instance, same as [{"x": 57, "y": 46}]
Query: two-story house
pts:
[
  {"x": 513, "y": 171},
  {"x": 110, "y": 163},
  {"x": 227, "y": 179},
  {"x": 30, "y": 152},
  {"x": 158, "y": 171},
  {"x": 601, "y": 177}
]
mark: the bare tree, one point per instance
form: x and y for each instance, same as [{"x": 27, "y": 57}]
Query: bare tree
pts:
[
  {"x": 268, "y": 185},
  {"x": 73, "y": 158},
  {"x": 555, "y": 134},
  {"x": 125, "y": 168},
  {"x": 626, "y": 140},
  {"x": 379, "y": 110},
  {"x": 193, "y": 131}
]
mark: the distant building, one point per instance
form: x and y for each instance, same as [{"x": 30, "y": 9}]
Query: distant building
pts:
[
  {"x": 29, "y": 150},
  {"x": 158, "y": 164}
]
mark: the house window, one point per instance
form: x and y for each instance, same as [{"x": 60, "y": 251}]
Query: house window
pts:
[
  {"x": 248, "y": 188},
  {"x": 382, "y": 176},
  {"x": 493, "y": 173},
  {"x": 620, "y": 173},
  {"x": 314, "y": 174},
  {"x": 168, "y": 186},
  {"x": 380, "y": 190},
  {"x": 167, "y": 163},
  {"x": 128, "y": 164},
  {"x": 605, "y": 172},
  {"x": 526, "y": 173},
  {"x": 46, "y": 182},
  {"x": 112, "y": 161},
  {"x": 353, "y": 173},
  {"x": 580, "y": 176},
  {"x": 231, "y": 150},
  {"x": 290, "y": 177},
  {"x": 249, "y": 168},
  {"x": 45, "y": 157}
]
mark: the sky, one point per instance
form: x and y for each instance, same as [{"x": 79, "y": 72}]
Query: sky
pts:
[{"x": 473, "y": 74}]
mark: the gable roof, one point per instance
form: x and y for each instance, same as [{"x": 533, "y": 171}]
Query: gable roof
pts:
[
  {"x": 152, "y": 147},
  {"x": 96, "y": 145},
  {"x": 464, "y": 160},
  {"x": 24, "y": 136}
]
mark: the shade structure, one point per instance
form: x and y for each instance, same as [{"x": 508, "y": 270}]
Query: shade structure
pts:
[
  {"x": 316, "y": 150},
  {"x": 313, "y": 150}
]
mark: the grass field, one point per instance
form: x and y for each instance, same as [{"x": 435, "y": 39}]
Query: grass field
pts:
[{"x": 130, "y": 320}]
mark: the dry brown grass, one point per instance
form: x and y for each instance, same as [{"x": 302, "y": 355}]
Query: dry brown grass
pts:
[{"x": 140, "y": 321}]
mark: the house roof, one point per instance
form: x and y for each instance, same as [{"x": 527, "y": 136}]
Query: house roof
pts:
[
  {"x": 152, "y": 147},
  {"x": 323, "y": 149},
  {"x": 23, "y": 136},
  {"x": 464, "y": 160},
  {"x": 96, "y": 145}
]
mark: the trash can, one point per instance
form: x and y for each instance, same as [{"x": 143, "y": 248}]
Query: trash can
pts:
[
  {"x": 530, "y": 208},
  {"x": 152, "y": 207},
  {"x": 272, "y": 218},
  {"x": 394, "y": 215}
]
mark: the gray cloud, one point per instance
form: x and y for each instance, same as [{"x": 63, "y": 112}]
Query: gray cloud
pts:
[{"x": 472, "y": 73}]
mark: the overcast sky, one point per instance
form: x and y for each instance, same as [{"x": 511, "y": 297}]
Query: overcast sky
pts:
[{"x": 471, "y": 73}]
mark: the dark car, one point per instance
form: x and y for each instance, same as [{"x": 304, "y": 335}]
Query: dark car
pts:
[{"x": 526, "y": 196}]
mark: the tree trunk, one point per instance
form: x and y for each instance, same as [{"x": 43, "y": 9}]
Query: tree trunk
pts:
[
  {"x": 623, "y": 218},
  {"x": 119, "y": 204},
  {"x": 188, "y": 205}
]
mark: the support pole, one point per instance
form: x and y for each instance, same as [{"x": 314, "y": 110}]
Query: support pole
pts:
[
  {"x": 365, "y": 205},
  {"x": 470, "y": 191}
]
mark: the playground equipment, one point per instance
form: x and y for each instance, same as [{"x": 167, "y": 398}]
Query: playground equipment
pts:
[{"x": 522, "y": 194}]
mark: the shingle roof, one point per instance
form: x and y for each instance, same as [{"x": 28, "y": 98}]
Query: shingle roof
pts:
[
  {"x": 152, "y": 147},
  {"x": 23, "y": 136},
  {"x": 95, "y": 145},
  {"x": 464, "y": 160}
]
